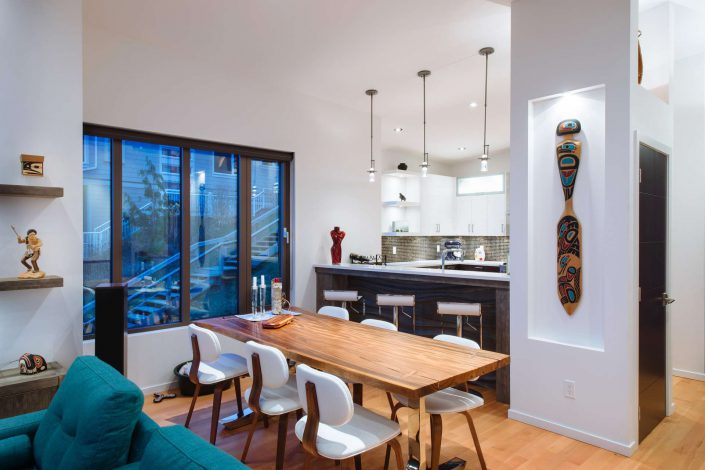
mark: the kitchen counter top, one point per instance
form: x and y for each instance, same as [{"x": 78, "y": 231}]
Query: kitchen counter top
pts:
[{"x": 423, "y": 268}]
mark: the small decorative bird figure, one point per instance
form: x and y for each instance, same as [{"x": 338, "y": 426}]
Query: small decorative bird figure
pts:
[{"x": 402, "y": 198}]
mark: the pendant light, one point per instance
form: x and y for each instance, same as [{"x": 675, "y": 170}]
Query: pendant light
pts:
[
  {"x": 371, "y": 172},
  {"x": 486, "y": 51},
  {"x": 424, "y": 165}
]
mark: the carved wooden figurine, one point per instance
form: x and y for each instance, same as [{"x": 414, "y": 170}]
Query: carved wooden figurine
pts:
[
  {"x": 33, "y": 247},
  {"x": 569, "y": 265}
]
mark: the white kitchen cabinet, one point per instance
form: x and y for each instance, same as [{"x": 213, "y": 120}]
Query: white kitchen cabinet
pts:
[
  {"x": 481, "y": 215},
  {"x": 496, "y": 214},
  {"x": 438, "y": 205},
  {"x": 463, "y": 215}
]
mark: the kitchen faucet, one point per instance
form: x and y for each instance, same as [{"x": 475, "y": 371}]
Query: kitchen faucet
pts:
[{"x": 450, "y": 250}]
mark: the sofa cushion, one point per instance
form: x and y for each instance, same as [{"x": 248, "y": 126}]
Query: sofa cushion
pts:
[
  {"x": 90, "y": 421},
  {"x": 141, "y": 436},
  {"x": 16, "y": 452},
  {"x": 177, "y": 447}
]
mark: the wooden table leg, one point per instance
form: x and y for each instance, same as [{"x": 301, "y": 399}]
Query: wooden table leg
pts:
[
  {"x": 417, "y": 429},
  {"x": 357, "y": 399}
]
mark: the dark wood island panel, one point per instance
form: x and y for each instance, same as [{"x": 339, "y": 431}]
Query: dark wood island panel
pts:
[{"x": 493, "y": 294}]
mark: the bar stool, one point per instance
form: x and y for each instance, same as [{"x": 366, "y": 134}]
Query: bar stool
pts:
[
  {"x": 460, "y": 310},
  {"x": 397, "y": 301},
  {"x": 343, "y": 296}
]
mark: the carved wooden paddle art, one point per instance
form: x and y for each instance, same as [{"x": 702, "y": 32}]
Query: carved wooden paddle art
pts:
[{"x": 569, "y": 236}]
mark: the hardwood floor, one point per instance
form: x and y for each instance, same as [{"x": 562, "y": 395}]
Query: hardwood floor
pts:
[{"x": 677, "y": 443}]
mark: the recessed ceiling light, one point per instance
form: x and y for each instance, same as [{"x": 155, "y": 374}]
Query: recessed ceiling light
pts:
[
  {"x": 398, "y": 129},
  {"x": 462, "y": 148},
  {"x": 473, "y": 105}
]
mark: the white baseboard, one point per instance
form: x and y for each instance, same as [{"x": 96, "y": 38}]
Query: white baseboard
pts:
[
  {"x": 608, "y": 444},
  {"x": 160, "y": 387},
  {"x": 689, "y": 374}
]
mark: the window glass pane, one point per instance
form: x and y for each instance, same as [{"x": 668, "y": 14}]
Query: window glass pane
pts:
[
  {"x": 266, "y": 220},
  {"x": 214, "y": 254},
  {"x": 481, "y": 184},
  {"x": 96, "y": 222},
  {"x": 151, "y": 232}
]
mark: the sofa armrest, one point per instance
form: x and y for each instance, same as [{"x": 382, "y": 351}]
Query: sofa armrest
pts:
[
  {"x": 16, "y": 452},
  {"x": 22, "y": 424}
]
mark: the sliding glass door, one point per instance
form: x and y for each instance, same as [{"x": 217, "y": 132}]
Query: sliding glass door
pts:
[{"x": 168, "y": 216}]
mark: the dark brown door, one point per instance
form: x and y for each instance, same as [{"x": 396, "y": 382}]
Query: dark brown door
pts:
[{"x": 653, "y": 198}]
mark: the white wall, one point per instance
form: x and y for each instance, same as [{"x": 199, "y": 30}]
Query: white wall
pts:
[
  {"x": 136, "y": 85},
  {"x": 41, "y": 106},
  {"x": 687, "y": 203},
  {"x": 588, "y": 44}
]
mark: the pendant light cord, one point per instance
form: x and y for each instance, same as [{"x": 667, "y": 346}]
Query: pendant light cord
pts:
[
  {"x": 425, "y": 155},
  {"x": 372, "y": 160},
  {"x": 484, "y": 134}
]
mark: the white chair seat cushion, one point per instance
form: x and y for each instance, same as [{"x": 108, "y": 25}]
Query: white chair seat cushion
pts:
[
  {"x": 366, "y": 430},
  {"x": 278, "y": 401},
  {"x": 448, "y": 400},
  {"x": 227, "y": 366}
]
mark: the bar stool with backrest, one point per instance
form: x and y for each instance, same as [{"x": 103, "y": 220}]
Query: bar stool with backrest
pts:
[
  {"x": 336, "y": 312},
  {"x": 273, "y": 393},
  {"x": 342, "y": 296},
  {"x": 334, "y": 427},
  {"x": 461, "y": 310},
  {"x": 448, "y": 400},
  {"x": 211, "y": 367},
  {"x": 397, "y": 302}
]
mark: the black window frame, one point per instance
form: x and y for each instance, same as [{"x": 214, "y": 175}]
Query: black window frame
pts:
[{"x": 244, "y": 155}]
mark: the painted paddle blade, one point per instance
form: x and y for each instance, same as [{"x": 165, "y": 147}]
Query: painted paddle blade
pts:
[
  {"x": 569, "y": 126},
  {"x": 568, "y": 153},
  {"x": 569, "y": 263}
]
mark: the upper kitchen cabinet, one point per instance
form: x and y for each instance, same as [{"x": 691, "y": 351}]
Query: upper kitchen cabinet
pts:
[
  {"x": 438, "y": 205},
  {"x": 481, "y": 208}
]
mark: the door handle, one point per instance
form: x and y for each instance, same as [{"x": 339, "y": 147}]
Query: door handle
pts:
[
  {"x": 666, "y": 300},
  {"x": 286, "y": 235}
]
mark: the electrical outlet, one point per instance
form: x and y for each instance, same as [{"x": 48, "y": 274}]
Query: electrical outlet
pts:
[
  {"x": 569, "y": 389},
  {"x": 438, "y": 248},
  {"x": 394, "y": 250}
]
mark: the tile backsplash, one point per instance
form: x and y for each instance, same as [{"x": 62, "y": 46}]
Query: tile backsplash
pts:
[{"x": 413, "y": 248}]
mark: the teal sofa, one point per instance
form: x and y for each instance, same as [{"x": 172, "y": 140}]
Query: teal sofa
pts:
[{"x": 95, "y": 421}]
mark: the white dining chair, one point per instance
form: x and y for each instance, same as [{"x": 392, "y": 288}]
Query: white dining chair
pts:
[
  {"x": 336, "y": 312},
  {"x": 448, "y": 400},
  {"x": 273, "y": 393},
  {"x": 210, "y": 366},
  {"x": 336, "y": 428},
  {"x": 385, "y": 325}
]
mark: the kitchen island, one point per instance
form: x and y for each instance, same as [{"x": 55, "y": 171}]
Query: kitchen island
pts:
[{"x": 460, "y": 281}]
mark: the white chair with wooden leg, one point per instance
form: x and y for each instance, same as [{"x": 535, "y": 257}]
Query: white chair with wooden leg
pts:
[
  {"x": 448, "y": 400},
  {"x": 398, "y": 302},
  {"x": 334, "y": 427},
  {"x": 273, "y": 393},
  {"x": 211, "y": 367},
  {"x": 335, "y": 312},
  {"x": 385, "y": 325}
]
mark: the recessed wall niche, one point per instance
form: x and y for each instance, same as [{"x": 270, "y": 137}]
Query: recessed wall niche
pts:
[{"x": 548, "y": 320}]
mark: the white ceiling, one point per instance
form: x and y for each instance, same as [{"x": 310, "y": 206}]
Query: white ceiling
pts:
[{"x": 335, "y": 50}]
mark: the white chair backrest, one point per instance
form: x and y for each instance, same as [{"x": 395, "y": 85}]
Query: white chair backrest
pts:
[
  {"x": 337, "y": 312},
  {"x": 385, "y": 325},
  {"x": 468, "y": 343},
  {"x": 208, "y": 343},
  {"x": 275, "y": 370},
  {"x": 335, "y": 404}
]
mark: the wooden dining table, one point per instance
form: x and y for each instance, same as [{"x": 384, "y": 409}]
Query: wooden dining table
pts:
[{"x": 400, "y": 363}]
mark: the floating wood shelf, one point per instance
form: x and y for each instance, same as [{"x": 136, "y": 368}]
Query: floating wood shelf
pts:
[
  {"x": 12, "y": 283},
  {"x": 30, "y": 191}
]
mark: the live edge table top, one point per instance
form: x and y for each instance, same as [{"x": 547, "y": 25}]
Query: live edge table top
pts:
[{"x": 401, "y": 363}]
